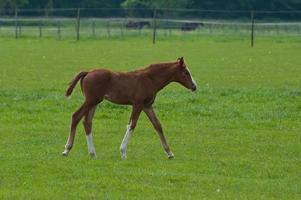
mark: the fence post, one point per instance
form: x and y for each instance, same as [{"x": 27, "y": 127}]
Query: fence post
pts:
[
  {"x": 16, "y": 22},
  {"x": 154, "y": 25},
  {"x": 121, "y": 28},
  {"x": 78, "y": 24},
  {"x": 20, "y": 31},
  {"x": 59, "y": 29},
  {"x": 108, "y": 28},
  {"x": 40, "y": 30},
  {"x": 252, "y": 28},
  {"x": 93, "y": 29}
]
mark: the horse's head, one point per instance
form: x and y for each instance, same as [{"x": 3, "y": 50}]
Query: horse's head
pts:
[{"x": 183, "y": 75}]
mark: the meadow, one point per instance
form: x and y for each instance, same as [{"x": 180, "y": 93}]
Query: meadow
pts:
[{"x": 236, "y": 137}]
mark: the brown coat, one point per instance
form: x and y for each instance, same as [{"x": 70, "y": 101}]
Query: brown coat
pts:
[{"x": 137, "y": 88}]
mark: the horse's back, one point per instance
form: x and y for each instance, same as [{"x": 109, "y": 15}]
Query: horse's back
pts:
[
  {"x": 117, "y": 87},
  {"x": 97, "y": 82}
]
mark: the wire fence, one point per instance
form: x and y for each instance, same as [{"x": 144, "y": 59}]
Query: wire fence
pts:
[{"x": 111, "y": 23}]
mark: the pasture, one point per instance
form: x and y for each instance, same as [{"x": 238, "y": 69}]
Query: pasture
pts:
[{"x": 237, "y": 137}]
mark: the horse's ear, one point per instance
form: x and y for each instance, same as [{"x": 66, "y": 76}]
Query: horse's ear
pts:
[{"x": 181, "y": 61}]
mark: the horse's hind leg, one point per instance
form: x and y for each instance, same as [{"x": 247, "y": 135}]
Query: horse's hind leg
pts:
[
  {"x": 88, "y": 129},
  {"x": 76, "y": 117}
]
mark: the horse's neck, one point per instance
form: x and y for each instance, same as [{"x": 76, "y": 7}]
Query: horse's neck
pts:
[{"x": 162, "y": 74}]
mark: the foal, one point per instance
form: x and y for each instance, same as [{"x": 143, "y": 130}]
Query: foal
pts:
[{"x": 137, "y": 88}]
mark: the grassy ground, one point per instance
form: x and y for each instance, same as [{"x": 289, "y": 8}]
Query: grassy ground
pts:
[{"x": 237, "y": 137}]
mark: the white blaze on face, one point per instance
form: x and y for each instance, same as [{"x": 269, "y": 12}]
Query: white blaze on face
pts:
[{"x": 193, "y": 81}]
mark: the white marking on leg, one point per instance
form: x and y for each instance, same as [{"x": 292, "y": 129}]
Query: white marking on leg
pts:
[
  {"x": 65, "y": 152},
  {"x": 67, "y": 147},
  {"x": 91, "y": 148},
  {"x": 170, "y": 155},
  {"x": 125, "y": 140},
  {"x": 193, "y": 81}
]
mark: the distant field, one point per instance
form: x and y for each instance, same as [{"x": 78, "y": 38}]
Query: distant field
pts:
[{"x": 237, "y": 137}]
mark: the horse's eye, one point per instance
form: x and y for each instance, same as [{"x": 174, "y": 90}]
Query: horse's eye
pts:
[{"x": 186, "y": 73}]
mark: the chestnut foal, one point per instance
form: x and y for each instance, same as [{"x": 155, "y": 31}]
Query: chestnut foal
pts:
[{"x": 137, "y": 88}]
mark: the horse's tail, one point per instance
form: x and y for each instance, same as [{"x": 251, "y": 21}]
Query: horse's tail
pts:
[{"x": 73, "y": 83}]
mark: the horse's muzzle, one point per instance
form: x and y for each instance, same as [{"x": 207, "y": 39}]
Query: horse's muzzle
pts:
[{"x": 193, "y": 88}]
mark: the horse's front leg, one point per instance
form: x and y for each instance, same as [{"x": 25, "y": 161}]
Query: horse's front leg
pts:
[
  {"x": 156, "y": 123},
  {"x": 130, "y": 128}
]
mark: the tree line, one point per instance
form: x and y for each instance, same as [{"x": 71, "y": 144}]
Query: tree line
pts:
[{"x": 151, "y": 4}]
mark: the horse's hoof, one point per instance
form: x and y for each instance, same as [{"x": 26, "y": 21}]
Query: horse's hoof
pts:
[
  {"x": 123, "y": 156},
  {"x": 93, "y": 155},
  {"x": 123, "y": 153},
  {"x": 65, "y": 153},
  {"x": 171, "y": 156}
]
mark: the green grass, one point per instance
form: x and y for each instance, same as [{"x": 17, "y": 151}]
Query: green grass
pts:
[{"x": 237, "y": 137}]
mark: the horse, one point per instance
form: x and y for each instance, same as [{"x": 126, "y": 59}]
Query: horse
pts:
[
  {"x": 191, "y": 26},
  {"x": 137, "y": 25},
  {"x": 137, "y": 88}
]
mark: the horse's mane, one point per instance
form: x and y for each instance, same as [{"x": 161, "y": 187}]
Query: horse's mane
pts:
[
  {"x": 160, "y": 65},
  {"x": 153, "y": 67}
]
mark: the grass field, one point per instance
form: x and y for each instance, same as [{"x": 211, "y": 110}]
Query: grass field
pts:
[{"x": 237, "y": 137}]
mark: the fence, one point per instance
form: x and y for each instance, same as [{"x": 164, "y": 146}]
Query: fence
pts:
[{"x": 110, "y": 23}]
